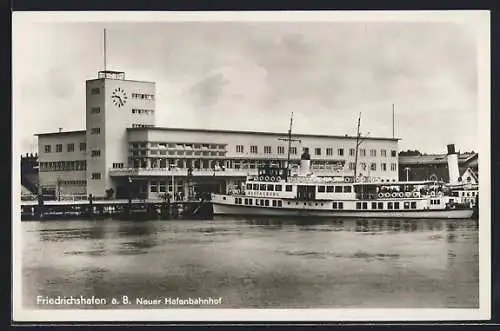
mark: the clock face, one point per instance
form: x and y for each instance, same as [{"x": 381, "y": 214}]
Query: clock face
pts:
[{"x": 119, "y": 97}]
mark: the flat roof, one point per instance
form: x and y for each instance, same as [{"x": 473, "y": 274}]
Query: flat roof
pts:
[
  {"x": 258, "y": 132},
  {"x": 61, "y": 133}
]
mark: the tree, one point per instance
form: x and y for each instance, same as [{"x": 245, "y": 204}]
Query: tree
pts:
[{"x": 410, "y": 153}]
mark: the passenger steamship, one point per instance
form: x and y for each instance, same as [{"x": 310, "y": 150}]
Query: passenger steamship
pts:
[{"x": 274, "y": 192}]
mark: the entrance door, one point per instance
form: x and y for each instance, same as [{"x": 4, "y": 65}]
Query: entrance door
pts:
[{"x": 305, "y": 192}]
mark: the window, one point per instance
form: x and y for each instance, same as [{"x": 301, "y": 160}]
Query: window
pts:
[
  {"x": 413, "y": 205},
  {"x": 143, "y": 111},
  {"x": 383, "y": 152},
  {"x": 321, "y": 189},
  {"x": 338, "y": 189},
  {"x": 393, "y": 153},
  {"x": 239, "y": 149},
  {"x": 142, "y": 96},
  {"x": 329, "y": 151},
  {"x": 154, "y": 187},
  {"x": 47, "y": 148},
  {"x": 329, "y": 189},
  {"x": 249, "y": 186},
  {"x": 59, "y": 148},
  {"x": 70, "y": 147},
  {"x": 358, "y": 205},
  {"x": 267, "y": 203},
  {"x": 267, "y": 149},
  {"x": 270, "y": 187},
  {"x": 96, "y": 175},
  {"x": 293, "y": 150},
  {"x": 288, "y": 188},
  {"x": 383, "y": 166},
  {"x": 363, "y": 166},
  {"x": 262, "y": 187},
  {"x": 280, "y": 203},
  {"x": 374, "y": 205},
  {"x": 253, "y": 149},
  {"x": 352, "y": 152},
  {"x": 380, "y": 205},
  {"x": 96, "y": 153},
  {"x": 340, "y": 151},
  {"x": 373, "y": 166},
  {"x": 95, "y": 91},
  {"x": 396, "y": 205},
  {"x": 281, "y": 150},
  {"x": 373, "y": 152},
  {"x": 365, "y": 205},
  {"x": 95, "y": 131},
  {"x": 95, "y": 110},
  {"x": 83, "y": 147},
  {"x": 351, "y": 165},
  {"x": 334, "y": 205},
  {"x": 340, "y": 205},
  {"x": 393, "y": 166},
  {"x": 317, "y": 151},
  {"x": 347, "y": 189},
  {"x": 255, "y": 187},
  {"x": 389, "y": 205},
  {"x": 278, "y": 188},
  {"x": 362, "y": 152}
]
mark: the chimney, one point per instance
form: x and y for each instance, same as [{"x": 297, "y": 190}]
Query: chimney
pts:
[
  {"x": 453, "y": 171},
  {"x": 305, "y": 163}
]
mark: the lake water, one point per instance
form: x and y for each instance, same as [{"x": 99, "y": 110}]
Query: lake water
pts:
[{"x": 253, "y": 263}]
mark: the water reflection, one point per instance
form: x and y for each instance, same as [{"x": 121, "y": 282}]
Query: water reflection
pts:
[{"x": 260, "y": 262}]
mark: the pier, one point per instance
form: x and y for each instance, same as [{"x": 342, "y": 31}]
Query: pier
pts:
[{"x": 36, "y": 208}]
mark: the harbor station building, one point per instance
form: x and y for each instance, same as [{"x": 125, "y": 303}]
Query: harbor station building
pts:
[{"x": 122, "y": 153}]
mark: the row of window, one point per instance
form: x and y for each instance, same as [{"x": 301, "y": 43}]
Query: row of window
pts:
[
  {"x": 142, "y": 125},
  {"x": 143, "y": 111},
  {"x": 177, "y": 146},
  {"x": 118, "y": 165},
  {"x": 59, "y": 148},
  {"x": 388, "y": 205},
  {"x": 95, "y": 110},
  {"x": 143, "y": 96},
  {"x": 258, "y": 202},
  {"x": 73, "y": 182},
  {"x": 254, "y": 149},
  {"x": 63, "y": 166},
  {"x": 204, "y": 153},
  {"x": 95, "y": 153},
  {"x": 96, "y": 175},
  {"x": 95, "y": 131},
  {"x": 373, "y": 166}
]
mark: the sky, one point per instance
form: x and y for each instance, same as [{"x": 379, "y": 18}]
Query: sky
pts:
[{"x": 253, "y": 75}]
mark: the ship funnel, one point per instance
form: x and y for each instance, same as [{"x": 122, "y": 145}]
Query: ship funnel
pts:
[
  {"x": 453, "y": 171},
  {"x": 305, "y": 163}
]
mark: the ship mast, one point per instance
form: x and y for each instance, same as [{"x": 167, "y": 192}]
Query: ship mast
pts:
[
  {"x": 289, "y": 139},
  {"x": 358, "y": 135}
]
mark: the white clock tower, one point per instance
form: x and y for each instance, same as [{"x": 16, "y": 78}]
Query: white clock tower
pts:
[{"x": 113, "y": 104}]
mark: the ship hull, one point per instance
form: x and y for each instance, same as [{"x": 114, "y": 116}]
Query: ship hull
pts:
[{"x": 228, "y": 209}]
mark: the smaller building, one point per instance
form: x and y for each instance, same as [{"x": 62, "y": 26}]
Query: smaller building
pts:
[{"x": 422, "y": 167}]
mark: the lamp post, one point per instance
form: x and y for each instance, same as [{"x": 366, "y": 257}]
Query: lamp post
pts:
[{"x": 407, "y": 173}]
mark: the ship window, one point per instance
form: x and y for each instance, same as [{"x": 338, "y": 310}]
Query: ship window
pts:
[
  {"x": 338, "y": 189},
  {"x": 267, "y": 203},
  {"x": 262, "y": 187},
  {"x": 255, "y": 187},
  {"x": 358, "y": 205},
  {"x": 347, "y": 189},
  {"x": 288, "y": 188},
  {"x": 249, "y": 186},
  {"x": 154, "y": 187},
  {"x": 321, "y": 189},
  {"x": 250, "y": 201},
  {"x": 374, "y": 205},
  {"x": 278, "y": 188},
  {"x": 334, "y": 205},
  {"x": 389, "y": 205},
  {"x": 406, "y": 205},
  {"x": 270, "y": 187},
  {"x": 341, "y": 205},
  {"x": 329, "y": 189},
  {"x": 396, "y": 205},
  {"x": 274, "y": 203},
  {"x": 246, "y": 201},
  {"x": 413, "y": 205},
  {"x": 365, "y": 205},
  {"x": 262, "y": 202},
  {"x": 280, "y": 203},
  {"x": 380, "y": 205}
]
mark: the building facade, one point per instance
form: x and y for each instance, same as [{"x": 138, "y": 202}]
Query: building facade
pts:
[{"x": 121, "y": 153}]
